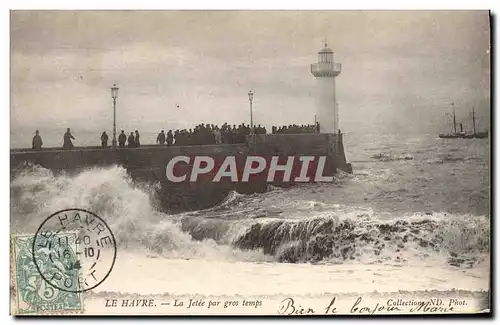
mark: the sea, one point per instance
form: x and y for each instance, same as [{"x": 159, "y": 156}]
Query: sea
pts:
[{"x": 413, "y": 216}]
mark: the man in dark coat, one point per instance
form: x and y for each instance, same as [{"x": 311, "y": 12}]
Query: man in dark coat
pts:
[
  {"x": 122, "y": 138},
  {"x": 161, "y": 138},
  {"x": 137, "y": 143},
  {"x": 170, "y": 138},
  {"x": 104, "y": 140},
  {"x": 131, "y": 140},
  {"x": 37, "y": 141},
  {"x": 67, "y": 144}
]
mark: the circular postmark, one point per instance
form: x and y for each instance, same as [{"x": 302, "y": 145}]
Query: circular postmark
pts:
[{"x": 74, "y": 250}]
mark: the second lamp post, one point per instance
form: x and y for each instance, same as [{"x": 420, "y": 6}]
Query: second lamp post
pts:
[
  {"x": 114, "y": 95},
  {"x": 250, "y": 98}
]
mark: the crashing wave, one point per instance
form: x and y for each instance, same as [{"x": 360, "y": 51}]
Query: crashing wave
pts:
[
  {"x": 334, "y": 240},
  {"x": 131, "y": 214},
  {"x": 387, "y": 157},
  {"x": 452, "y": 159}
]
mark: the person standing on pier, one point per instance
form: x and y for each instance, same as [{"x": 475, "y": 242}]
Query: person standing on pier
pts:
[
  {"x": 137, "y": 143},
  {"x": 67, "y": 144},
  {"x": 161, "y": 138},
  {"x": 217, "y": 135},
  {"x": 37, "y": 141},
  {"x": 170, "y": 138},
  {"x": 122, "y": 138},
  {"x": 131, "y": 140},
  {"x": 104, "y": 140}
]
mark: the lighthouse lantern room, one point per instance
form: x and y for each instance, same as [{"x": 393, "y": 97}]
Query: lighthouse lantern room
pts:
[{"x": 325, "y": 71}]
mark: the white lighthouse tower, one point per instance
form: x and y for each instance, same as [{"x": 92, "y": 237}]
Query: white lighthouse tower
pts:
[{"x": 325, "y": 71}]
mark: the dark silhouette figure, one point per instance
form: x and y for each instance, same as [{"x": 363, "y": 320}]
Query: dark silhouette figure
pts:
[
  {"x": 37, "y": 141},
  {"x": 229, "y": 135},
  {"x": 122, "y": 138},
  {"x": 170, "y": 138},
  {"x": 104, "y": 140},
  {"x": 131, "y": 140},
  {"x": 67, "y": 144},
  {"x": 137, "y": 143},
  {"x": 161, "y": 138},
  {"x": 217, "y": 135},
  {"x": 317, "y": 127}
]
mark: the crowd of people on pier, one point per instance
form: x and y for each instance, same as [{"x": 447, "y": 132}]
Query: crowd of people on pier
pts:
[
  {"x": 227, "y": 134},
  {"x": 201, "y": 134},
  {"x": 213, "y": 134},
  {"x": 296, "y": 129}
]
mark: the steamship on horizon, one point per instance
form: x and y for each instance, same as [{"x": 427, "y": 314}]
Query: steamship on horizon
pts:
[{"x": 462, "y": 134}]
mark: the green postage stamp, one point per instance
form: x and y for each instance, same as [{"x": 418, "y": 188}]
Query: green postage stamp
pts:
[{"x": 33, "y": 293}]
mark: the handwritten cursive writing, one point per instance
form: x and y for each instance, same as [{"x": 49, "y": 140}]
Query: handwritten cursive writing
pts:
[
  {"x": 288, "y": 307},
  {"x": 358, "y": 308}
]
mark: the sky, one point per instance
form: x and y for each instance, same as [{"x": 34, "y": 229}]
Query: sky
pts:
[{"x": 400, "y": 69}]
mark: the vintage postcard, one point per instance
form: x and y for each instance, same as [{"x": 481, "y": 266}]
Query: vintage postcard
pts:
[{"x": 302, "y": 163}]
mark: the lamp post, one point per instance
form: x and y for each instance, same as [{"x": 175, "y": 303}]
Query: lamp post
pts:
[
  {"x": 114, "y": 95},
  {"x": 250, "y": 98}
]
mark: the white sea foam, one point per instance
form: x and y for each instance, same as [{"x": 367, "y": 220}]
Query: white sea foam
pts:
[{"x": 225, "y": 231}]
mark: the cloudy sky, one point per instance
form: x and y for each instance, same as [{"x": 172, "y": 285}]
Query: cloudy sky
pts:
[{"x": 400, "y": 72}]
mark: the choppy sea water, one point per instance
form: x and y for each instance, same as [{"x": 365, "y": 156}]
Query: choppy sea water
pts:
[{"x": 411, "y": 201}]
